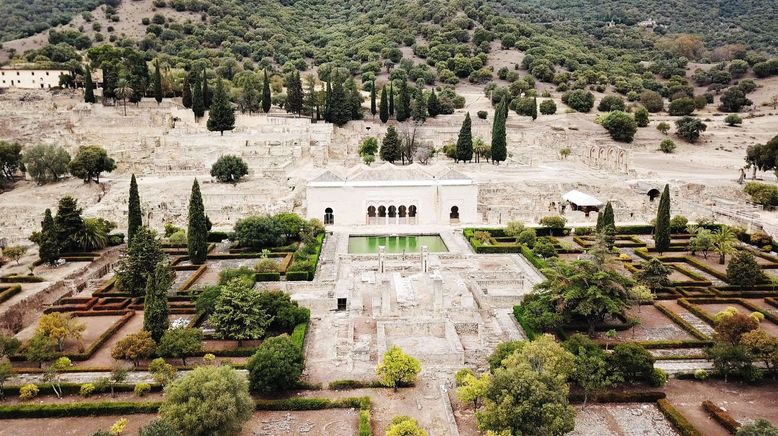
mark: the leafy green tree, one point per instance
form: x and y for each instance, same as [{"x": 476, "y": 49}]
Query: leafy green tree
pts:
[
  {"x": 652, "y": 101},
  {"x": 620, "y": 125},
  {"x": 732, "y": 360},
  {"x": 384, "y": 108},
  {"x": 157, "y": 83},
  {"x": 465, "y": 141},
  {"x": 286, "y": 312},
  {"x": 8, "y": 345},
  {"x": 266, "y": 97},
  {"x": 733, "y": 100},
  {"x": 53, "y": 373},
  {"x": 390, "y": 147},
  {"x": 611, "y": 103},
  {"x": 276, "y": 365},
  {"x": 5, "y": 373},
  {"x": 181, "y": 342},
  {"x": 89, "y": 87},
  {"x": 760, "y": 427},
  {"x": 158, "y": 427},
  {"x": 433, "y": 104},
  {"x": 548, "y": 107},
  {"x": 258, "y": 232},
  {"x": 701, "y": 240},
  {"x": 155, "y": 304},
  {"x": 580, "y": 99},
  {"x": 229, "y": 168},
  {"x": 584, "y": 291},
  {"x": 499, "y": 144},
  {"x": 404, "y": 426},
  {"x": 197, "y": 231},
  {"x": 689, "y": 128},
  {"x": 59, "y": 327},
  {"x": 397, "y": 368},
  {"x": 249, "y": 100},
  {"x": 631, "y": 362},
  {"x": 46, "y": 163},
  {"x": 662, "y": 228},
  {"x": 134, "y": 347},
  {"x": 663, "y": 127},
  {"x": 762, "y": 347},
  {"x": 641, "y": 117},
  {"x": 134, "y": 214},
  {"x": 39, "y": 349},
  {"x": 238, "y": 314},
  {"x": 724, "y": 241},
  {"x": 654, "y": 274},
  {"x": 591, "y": 372},
  {"x": 198, "y": 103},
  {"x": 743, "y": 270},
  {"x": 681, "y": 107},
  {"x": 529, "y": 395},
  {"x": 221, "y": 116},
  {"x": 502, "y": 351},
  {"x": 186, "y": 92},
  {"x": 208, "y": 401},
  {"x": 473, "y": 389},
  {"x": 141, "y": 261},
  {"x": 89, "y": 162}
]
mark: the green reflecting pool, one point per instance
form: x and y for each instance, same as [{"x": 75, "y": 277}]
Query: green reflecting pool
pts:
[{"x": 396, "y": 244}]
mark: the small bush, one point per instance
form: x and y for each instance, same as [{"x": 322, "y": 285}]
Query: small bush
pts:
[
  {"x": 701, "y": 374},
  {"x": 87, "y": 389},
  {"x": 460, "y": 376},
  {"x": 657, "y": 378},
  {"x": 667, "y": 145},
  {"x": 28, "y": 391},
  {"x": 733, "y": 120},
  {"x": 482, "y": 114},
  {"x": 141, "y": 389}
]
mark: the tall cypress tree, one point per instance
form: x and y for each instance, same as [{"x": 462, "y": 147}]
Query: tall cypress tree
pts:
[
  {"x": 134, "y": 214},
  {"x": 155, "y": 304},
  {"x": 157, "y": 79},
  {"x": 433, "y": 105},
  {"x": 186, "y": 92},
  {"x": 662, "y": 230},
  {"x": 48, "y": 245},
  {"x": 403, "y": 105},
  {"x": 499, "y": 144},
  {"x": 207, "y": 97},
  {"x": 266, "y": 97},
  {"x": 89, "y": 87},
  {"x": 373, "y": 109},
  {"x": 599, "y": 225},
  {"x": 607, "y": 217},
  {"x": 340, "y": 111},
  {"x": 354, "y": 99},
  {"x": 294, "y": 89},
  {"x": 391, "y": 99},
  {"x": 221, "y": 117},
  {"x": 465, "y": 141},
  {"x": 328, "y": 102},
  {"x": 197, "y": 232},
  {"x": 534, "y": 112},
  {"x": 384, "y": 109},
  {"x": 198, "y": 106},
  {"x": 419, "y": 112}
]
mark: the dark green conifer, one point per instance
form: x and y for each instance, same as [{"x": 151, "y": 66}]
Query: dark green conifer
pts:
[
  {"x": 207, "y": 97},
  {"x": 662, "y": 230},
  {"x": 534, "y": 112},
  {"x": 89, "y": 87},
  {"x": 186, "y": 92},
  {"x": 155, "y": 304},
  {"x": 134, "y": 214},
  {"x": 48, "y": 246},
  {"x": 266, "y": 97},
  {"x": 373, "y": 109},
  {"x": 383, "y": 114},
  {"x": 419, "y": 110},
  {"x": 608, "y": 218},
  {"x": 391, "y": 99},
  {"x": 221, "y": 117},
  {"x": 499, "y": 145},
  {"x": 198, "y": 106},
  {"x": 433, "y": 105},
  {"x": 157, "y": 80},
  {"x": 403, "y": 104},
  {"x": 197, "y": 231},
  {"x": 465, "y": 141},
  {"x": 390, "y": 147}
]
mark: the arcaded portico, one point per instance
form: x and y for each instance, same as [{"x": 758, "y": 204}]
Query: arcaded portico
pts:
[{"x": 393, "y": 195}]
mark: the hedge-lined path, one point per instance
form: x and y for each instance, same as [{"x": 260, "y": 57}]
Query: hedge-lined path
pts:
[
  {"x": 681, "y": 366},
  {"x": 91, "y": 377}
]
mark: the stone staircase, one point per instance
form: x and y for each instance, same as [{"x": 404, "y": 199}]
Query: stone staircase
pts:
[{"x": 697, "y": 323}]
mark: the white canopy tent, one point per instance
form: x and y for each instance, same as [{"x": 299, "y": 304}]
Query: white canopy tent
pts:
[{"x": 581, "y": 201}]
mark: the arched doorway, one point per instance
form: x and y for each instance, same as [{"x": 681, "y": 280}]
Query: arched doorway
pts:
[
  {"x": 454, "y": 215},
  {"x": 402, "y": 212},
  {"x": 329, "y": 216},
  {"x": 392, "y": 211},
  {"x": 412, "y": 214},
  {"x": 371, "y": 212},
  {"x": 652, "y": 194},
  {"x": 382, "y": 211}
]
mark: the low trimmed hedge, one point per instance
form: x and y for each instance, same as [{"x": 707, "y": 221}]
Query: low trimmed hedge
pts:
[
  {"x": 307, "y": 403},
  {"x": 684, "y": 427},
  {"x": 345, "y": 385},
  {"x": 298, "y": 335},
  {"x": 297, "y": 276},
  {"x": 268, "y": 276},
  {"x": 536, "y": 261},
  {"x": 619, "y": 397},
  {"x": 9, "y": 291},
  {"x": 74, "y": 388},
  {"x": 20, "y": 278},
  {"x": 59, "y": 410},
  {"x": 365, "y": 429},
  {"x": 721, "y": 416}
]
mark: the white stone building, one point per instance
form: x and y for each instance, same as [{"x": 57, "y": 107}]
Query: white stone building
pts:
[
  {"x": 392, "y": 194},
  {"x": 32, "y": 79}
]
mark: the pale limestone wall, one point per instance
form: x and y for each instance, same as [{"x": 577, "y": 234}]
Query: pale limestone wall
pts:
[{"x": 32, "y": 79}]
